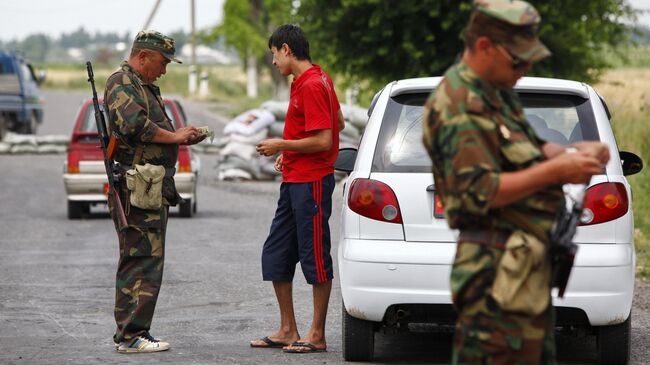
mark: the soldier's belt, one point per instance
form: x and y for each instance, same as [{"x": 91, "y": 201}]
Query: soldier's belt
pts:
[
  {"x": 169, "y": 172},
  {"x": 495, "y": 238}
]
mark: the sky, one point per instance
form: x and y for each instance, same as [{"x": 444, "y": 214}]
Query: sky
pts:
[{"x": 20, "y": 18}]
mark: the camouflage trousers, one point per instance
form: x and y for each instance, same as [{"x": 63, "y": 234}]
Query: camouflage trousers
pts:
[
  {"x": 486, "y": 334},
  {"x": 139, "y": 269}
]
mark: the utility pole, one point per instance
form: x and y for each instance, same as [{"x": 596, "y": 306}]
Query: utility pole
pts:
[
  {"x": 153, "y": 12},
  {"x": 193, "y": 71},
  {"x": 146, "y": 25},
  {"x": 193, "y": 20}
]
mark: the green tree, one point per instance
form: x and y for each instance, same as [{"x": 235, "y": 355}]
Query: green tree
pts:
[
  {"x": 80, "y": 38},
  {"x": 35, "y": 47},
  {"x": 246, "y": 27},
  {"x": 180, "y": 38},
  {"x": 383, "y": 40}
]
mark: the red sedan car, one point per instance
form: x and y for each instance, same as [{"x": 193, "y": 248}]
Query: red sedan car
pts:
[{"x": 84, "y": 176}]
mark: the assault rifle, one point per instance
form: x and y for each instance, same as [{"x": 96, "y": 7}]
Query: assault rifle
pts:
[
  {"x": 109, "y": 146},
  {"x": 563, "y": 250}
]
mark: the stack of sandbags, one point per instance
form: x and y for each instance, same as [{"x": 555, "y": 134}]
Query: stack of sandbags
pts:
[
  {"x": 355, "y": 123},
  {"x": 28, "y": 143},
  {"x": 279, "y": 111},
  {"x": 238, "y": 159}
]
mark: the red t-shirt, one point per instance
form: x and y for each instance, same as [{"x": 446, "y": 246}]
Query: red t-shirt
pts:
[{"x": 313, "y": 106}]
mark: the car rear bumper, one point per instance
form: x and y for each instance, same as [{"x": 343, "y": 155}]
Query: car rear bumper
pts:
[
  {"x": 185, "y": 184},
  {"x": 376, "y": 274},
  {"x": 90, "y": 187},
  {"x": 85, "y": 187}
]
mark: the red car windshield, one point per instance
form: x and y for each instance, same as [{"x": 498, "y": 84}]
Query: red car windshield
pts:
[{"x": 88, "y": 124}]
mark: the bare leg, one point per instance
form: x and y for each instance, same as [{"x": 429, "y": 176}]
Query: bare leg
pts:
[
  {"x": 288, "y": 332},
  {"x": 316, "y": 334}
]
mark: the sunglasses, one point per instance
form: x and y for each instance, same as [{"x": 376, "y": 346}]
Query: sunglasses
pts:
[{"x": 516, "y": 62}]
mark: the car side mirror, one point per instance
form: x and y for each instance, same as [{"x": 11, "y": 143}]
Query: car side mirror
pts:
[
  {"x": 632, "y": 163},
  {"x": 42, "y": 74},
  {"x": 345, "y": 161}
]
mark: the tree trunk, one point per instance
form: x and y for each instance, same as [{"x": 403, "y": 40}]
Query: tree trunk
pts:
[{"x": 251, "y": 75}]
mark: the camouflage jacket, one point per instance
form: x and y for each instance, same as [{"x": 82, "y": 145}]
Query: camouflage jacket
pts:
[
  {"x": 473, "y": 132},
  {"x": 135, "y": 112}
]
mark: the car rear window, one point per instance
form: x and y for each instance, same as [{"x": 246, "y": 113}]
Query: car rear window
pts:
[
  {"x": 89, "y": 125},
  {"x": 556, "y": 118}
]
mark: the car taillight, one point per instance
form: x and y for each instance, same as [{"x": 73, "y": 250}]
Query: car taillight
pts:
[
  {"x": 374, "y": 199},
  {"x": 73, "y": 162},
  {"x": 184, "y": 161},
  {"x": 603, "y": 203},
  {"x": 438, "y": 209}
]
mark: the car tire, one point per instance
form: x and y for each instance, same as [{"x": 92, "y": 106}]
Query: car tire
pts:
[
  {"x": 358, "y": 338},
  {"x": 31, "y": 126},
  {"x": 3, "y": 127},
  {"x": 614, "y": 342},
  {"x": 185, "y": 208},
  {"x": 75, "y": 210},
  {"x": 194, "y": 206}
]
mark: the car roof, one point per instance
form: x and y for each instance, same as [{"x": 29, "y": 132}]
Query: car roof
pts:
[{"x": 525, "y": 84}]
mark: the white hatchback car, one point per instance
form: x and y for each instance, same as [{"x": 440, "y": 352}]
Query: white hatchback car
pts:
[{"x": 396, "y": 249}]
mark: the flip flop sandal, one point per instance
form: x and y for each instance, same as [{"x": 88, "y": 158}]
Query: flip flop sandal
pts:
[
  {"x": 269, "y": 343},
  {"x": 308, "y": 348}
]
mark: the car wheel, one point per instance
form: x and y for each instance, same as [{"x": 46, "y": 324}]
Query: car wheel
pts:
[
  {"x": 31, "y": 126},
  {"x": 614, "y": 342},
  {"x": 3, "y": 127},
  {"x": 195, "y": 202},
  {"x": 185, "y": 208},
  {"x": 75, "y": 210},
  {"x": 358, "y": 338}
]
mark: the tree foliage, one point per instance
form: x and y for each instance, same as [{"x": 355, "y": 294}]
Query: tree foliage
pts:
[
  {"x": 247, "y": 24},
  {"x": 384, "y": 40}
]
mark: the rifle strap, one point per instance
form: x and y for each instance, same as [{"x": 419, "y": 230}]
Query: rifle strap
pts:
[{"x": 139, "y": 148}]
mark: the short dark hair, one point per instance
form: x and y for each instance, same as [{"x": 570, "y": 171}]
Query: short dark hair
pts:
[{"x": 294, "y": 37}]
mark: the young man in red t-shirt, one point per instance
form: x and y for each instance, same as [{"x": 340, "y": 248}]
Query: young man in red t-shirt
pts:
[{"x": 300, "y": 231}]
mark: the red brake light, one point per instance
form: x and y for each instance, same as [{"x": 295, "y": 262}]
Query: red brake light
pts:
[
  {"x": 438, "y": 209},
  {"x": 603, "y": 203},
  {"x": 73, "y": 162},
  {"x": 184, "y": 161},
  {"x": 374, "y": 199}
]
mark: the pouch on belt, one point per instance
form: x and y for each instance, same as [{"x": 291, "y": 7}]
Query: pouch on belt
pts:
[
  {"x": 522, "y": 282},
  {"x": 144, "y": 183}
]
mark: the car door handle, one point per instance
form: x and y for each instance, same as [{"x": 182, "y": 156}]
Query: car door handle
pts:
[{"x": 431, "y": 188}]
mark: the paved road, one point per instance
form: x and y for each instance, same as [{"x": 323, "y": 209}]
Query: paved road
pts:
[{"x": 57, "y": 276}]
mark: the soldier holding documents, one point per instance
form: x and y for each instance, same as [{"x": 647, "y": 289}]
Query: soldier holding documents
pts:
[
  {"x": 147, "y": 151},
  {"x": 501, "y": 187}
]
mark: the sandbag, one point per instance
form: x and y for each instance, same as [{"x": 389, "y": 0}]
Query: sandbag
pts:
[{"x": 249, "y": 122}]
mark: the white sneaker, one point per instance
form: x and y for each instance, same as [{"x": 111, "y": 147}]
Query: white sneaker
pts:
[{"x": 142, "y": 343}]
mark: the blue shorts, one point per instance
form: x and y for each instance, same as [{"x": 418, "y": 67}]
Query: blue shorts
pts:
[{"x": 300, "y": 233}]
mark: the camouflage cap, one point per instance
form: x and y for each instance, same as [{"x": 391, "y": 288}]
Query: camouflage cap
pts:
[
  {"x": 157, "y": 41},
  {"x": 524, "y": 19}
]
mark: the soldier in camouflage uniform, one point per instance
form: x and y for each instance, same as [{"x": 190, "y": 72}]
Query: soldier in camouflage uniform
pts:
[
  {"x": 146, "y": 134},
  {"x": 487, "y": 160}
]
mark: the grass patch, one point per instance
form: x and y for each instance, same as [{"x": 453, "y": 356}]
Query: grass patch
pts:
[{"x": 627, "y": 93}]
